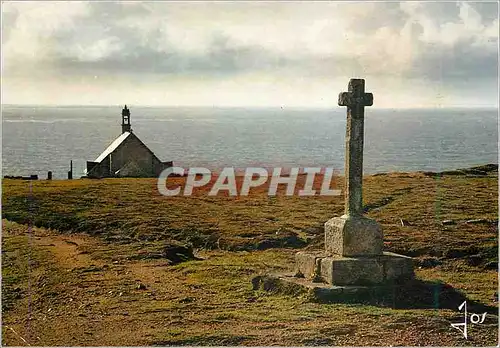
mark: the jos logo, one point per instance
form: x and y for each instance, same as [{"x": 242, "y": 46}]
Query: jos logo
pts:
[{"x": 474, "y": 319}]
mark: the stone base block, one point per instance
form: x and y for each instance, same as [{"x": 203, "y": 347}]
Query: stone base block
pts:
[
  {"x": 321, "y": 292},
  {"x": 412, "y": 294},
  {"x": 353, "y": 236},
  {"x": 338, "y": 270},
  {"x": 308, "y": 264}
]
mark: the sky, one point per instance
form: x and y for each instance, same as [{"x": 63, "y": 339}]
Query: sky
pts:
[{"x": 292, "y": 54}]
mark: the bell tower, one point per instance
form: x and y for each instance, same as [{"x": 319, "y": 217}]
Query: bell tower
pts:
[{"x": 126, "y": 120}]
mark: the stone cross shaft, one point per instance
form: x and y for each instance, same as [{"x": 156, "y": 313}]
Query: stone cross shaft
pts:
[
  {"x": 353, "y": 258},
  {"x": 355, "y": 99}
]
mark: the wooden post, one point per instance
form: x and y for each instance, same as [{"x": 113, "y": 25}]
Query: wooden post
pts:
[{"x": 49, "y": 175}]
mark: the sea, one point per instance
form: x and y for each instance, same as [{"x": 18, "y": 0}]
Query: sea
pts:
[{"x": 38, "y": 139}]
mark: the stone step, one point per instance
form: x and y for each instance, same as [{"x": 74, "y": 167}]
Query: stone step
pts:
[
  {"x": 342, "y": 271},
  {"x": 415, "y": 293}
]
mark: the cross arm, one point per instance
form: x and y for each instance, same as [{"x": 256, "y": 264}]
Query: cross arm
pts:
[{"x": 351, "y": 100}]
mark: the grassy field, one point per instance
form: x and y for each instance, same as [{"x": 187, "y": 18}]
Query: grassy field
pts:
[{"x": 94, "y": 269}]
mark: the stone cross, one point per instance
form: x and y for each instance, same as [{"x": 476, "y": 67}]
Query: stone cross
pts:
[
  {"x": 355, "y": 99},
  {"x": 353, "y": 254}
]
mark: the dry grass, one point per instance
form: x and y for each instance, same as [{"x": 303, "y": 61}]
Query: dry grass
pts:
[
  {"x": 81, "y": 288},
  {"x": 131, "y": 210}
]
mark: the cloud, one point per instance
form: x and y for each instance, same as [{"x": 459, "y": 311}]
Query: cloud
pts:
[{"x": 435, "y": 42}]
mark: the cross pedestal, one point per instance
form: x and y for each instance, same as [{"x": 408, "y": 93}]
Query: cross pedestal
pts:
[
  {"x": 353, "y": 262},
  {"x": 353, "y": 243}
]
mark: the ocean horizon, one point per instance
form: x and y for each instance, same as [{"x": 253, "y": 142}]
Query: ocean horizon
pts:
[{"x": 36, "y": 138}]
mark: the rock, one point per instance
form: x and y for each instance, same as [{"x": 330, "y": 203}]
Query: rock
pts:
[
  {"x": 455, "y": 253},
  {"x": 429, "y": 262},
  {"x": 268, "y": 244},
  {"x": 449, "y": 222},
  {"x": 285, "y": 239},
  {"x": 452, "y": 172},
  {"x": 475, "y": 171},
  {"x": 477, "y": 221},
  {"x": 319, "y": 230},
  {"x": 491, "y": 265},
  {"x": 404, "y": 222},
  {"x": 256, "y": 282},
  {"x": 172, "y": 251},
  {"x": 378, "y": 204},
  {"x": 293, "y": 241},
  {"x": 17, "y": 293},
  {"x": 186, "y": 300},
  {"x": 474, "y": 260},
  {"x": 491, "y": 167},
  {"x": 178, "y": 253}
]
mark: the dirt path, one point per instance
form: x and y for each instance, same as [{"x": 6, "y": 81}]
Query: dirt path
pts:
[
  {"x": 66, "y": 249},
  {"x": 84, "y": 293},
  {"x": 77, "y": 299}
]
